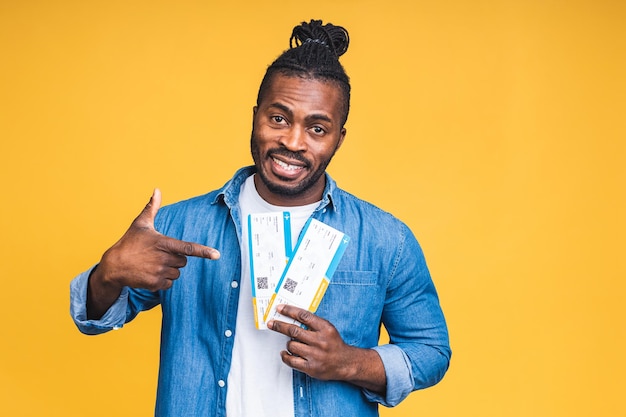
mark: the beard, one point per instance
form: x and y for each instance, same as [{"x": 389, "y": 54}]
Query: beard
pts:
[{"x": 293, "y": 189}]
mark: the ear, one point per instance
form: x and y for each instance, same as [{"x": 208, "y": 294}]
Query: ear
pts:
[
  {"x": 341, "y": 137},
  {"x": 254, "y": 112}
]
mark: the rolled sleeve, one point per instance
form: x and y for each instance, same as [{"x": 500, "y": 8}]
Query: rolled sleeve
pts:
[
  {"x": 113, "y": 319},
  {"x": 398, "y": 373}
]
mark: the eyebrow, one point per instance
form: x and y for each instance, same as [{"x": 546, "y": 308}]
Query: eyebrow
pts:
[
  {"x": 315, "y": 116},
  {"x": 323, "y": 117},
  {"x": 282, "y": 107}
]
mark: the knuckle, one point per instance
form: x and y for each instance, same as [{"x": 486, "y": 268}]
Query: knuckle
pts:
[
  {"x": 187, "y": 248},
  {"x": 323, "y": 344},
  {"x": 168, "y": 245},
  {"x": 304, "y": 316},
  {"x": 160, "y": 270},
  {"x": 295, "y": 331},
  {"x": 328, "y": 332}
]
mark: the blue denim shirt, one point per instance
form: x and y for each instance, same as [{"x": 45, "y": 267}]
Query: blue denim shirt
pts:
[{"x": 382, "y": 278}]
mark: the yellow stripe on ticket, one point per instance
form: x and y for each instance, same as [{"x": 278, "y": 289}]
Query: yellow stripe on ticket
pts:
[
  {"x": 256, "y": 315},
  {"x": 267, "y": 312},
  {"x": 321, "y": 290}
]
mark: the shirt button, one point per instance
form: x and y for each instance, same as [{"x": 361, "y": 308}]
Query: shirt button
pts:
[
  {"x": 221, "y": 383},
  {"x": 234, "y": 284},
  {"x": 228, "y": 333}
]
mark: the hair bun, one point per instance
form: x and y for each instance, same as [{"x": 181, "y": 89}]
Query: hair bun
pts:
[{"x": 333, "y": 37}]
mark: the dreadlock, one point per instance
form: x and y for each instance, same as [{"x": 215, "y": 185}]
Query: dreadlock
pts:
[{"x": 314, "y": 51}]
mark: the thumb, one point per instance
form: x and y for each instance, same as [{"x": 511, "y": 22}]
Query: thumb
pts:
[{"x": 146, "y": 218}]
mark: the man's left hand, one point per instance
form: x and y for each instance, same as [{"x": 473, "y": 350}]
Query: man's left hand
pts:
[{"x": 320, "y": 352}]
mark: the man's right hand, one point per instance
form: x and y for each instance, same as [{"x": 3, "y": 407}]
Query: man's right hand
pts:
[{"x": 142, "y": 258}]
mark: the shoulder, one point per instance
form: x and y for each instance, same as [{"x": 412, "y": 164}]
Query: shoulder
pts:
[
  {"x": 369, "y": 224},
  {"x": 349, "y": 205}
]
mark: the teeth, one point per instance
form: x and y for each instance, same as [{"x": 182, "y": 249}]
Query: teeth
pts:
[{"x": 286, "y": 166}]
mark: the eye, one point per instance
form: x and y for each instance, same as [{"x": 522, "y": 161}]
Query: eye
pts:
[
  {"x": 318, "y": 130},
  {"x": 278, "y": 119}
]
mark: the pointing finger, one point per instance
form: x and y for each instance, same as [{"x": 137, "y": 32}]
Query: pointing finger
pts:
[{"x": 188, "y": 248}]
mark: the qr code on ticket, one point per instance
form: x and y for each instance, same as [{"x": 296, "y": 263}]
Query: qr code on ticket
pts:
[
  {"x": 290, "y": 285},
  {"x": 262, "y": 283}
]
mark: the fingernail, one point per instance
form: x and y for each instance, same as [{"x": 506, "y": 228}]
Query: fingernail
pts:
[{"x": 270, "y": 324}]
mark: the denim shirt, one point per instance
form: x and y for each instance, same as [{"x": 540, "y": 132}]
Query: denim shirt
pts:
[{"x": 381, "y": 279}]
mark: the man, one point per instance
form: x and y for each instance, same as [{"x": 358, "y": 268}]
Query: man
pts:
[{"x": 214, "y": 362}]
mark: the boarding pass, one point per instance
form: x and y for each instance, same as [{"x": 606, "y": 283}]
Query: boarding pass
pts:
[
  {"x": 309, "y": 270},
  {"x": 269, "y": 243}
]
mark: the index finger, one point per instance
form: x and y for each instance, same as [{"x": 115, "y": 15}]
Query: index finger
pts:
[
  {"x": 310, "y": 320},
  {"x": 188, "y": 248}
]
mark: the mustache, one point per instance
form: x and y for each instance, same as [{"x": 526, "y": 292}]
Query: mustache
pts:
[{"x": 290, "y": 155}]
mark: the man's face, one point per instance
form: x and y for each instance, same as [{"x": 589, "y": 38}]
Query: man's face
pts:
[{"x": 296, "y": 131}]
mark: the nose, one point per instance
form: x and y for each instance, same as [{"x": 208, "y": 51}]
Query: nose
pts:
[{"x": 294, "y": 140}]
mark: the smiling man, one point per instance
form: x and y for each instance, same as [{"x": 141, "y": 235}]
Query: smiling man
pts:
[
  {"x": 298, "y": 126},
  {"x": 214, "y": 361}
]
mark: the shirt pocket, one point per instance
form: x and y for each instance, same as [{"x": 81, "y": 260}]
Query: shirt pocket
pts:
[
  {"x": 363, "y": 278},
  {"x": 353, "y": 304}
]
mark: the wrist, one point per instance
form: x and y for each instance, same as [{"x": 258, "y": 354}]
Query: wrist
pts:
[
  {"x": 365, "y": 369},
  {"x": 101, "y": 279},
  {"x": 101, "y": 294},
  {"x": 352, "y": 365}
]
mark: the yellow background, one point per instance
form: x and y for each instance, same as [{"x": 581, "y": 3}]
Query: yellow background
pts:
[{"x": 495, "y": 129}]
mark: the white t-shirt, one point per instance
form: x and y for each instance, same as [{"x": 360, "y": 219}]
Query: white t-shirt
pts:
[{"x": 259, "y": 383}]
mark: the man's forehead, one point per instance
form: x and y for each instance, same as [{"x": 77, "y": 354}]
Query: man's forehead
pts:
[{"x": 325, "y": 93}]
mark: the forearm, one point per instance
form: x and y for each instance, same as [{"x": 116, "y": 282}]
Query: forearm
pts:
[
  {"x": 100, "y": 294},
  {"x": 364, "y": 368}
]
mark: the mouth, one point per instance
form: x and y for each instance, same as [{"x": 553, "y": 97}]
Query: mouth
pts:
[{"x": 287, "y": 168}]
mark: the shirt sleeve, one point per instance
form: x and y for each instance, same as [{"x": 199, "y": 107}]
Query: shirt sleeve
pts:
[
  {"x": 398, "y": 374},
  {"x": 113, "y": 319},
  {"x": 418, "y": 354}
]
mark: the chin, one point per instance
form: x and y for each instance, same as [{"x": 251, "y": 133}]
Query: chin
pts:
[{"x": 286, "y": 188}]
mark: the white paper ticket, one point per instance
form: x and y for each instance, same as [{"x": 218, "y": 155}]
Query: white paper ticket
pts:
[
  {"x": 310, "y": 268},
  {"x": 269, "y": 244}
]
